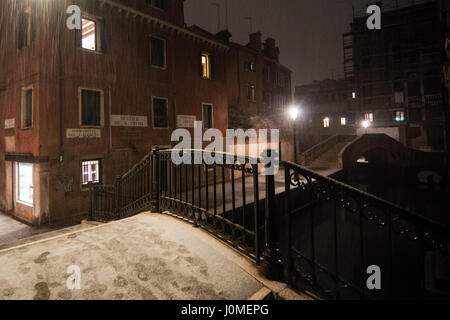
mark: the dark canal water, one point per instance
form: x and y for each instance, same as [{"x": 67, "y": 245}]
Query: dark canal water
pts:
[{"x": 404, "y": 189}]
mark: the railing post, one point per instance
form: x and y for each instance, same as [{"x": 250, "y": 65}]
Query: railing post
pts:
[
  {"x": 272, "y": 266},
  {"x": 91, "y": 204},
  {"x": 117, "y": 195},
  {"x": 156, "y": 167}
]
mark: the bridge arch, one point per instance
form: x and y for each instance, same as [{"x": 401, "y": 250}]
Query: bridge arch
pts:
[{"x": 376, "y": 148}]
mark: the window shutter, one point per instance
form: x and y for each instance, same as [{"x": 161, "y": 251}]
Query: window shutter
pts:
[
  {"x": 78, "y": 38},
  {"x": 102, "y": 30},
  {"x": 212, "y": 66},
  {"x": 200, "y": 66},
  {"x": 33, "y": 29},
  {"x": 22, "y": 30}
]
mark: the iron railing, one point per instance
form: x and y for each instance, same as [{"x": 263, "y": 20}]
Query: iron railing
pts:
[
  {"x": 334, "y": 233},
  {"x": 312, "y": 232},
  {"x": 224, "y": 199}
]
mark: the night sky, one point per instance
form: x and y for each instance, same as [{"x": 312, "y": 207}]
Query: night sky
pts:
[{"x": 308, "y": 32}]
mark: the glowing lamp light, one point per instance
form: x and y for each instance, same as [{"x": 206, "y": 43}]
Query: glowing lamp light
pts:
[
  {"x": 366, "y": 124},
  {"x": 294, "y": 112}
]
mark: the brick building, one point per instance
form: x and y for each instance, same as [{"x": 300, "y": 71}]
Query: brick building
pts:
[
  {"x": 258, "y": 85},
  {"x": 397, "y": 73},
  {"x": 81, "y": 107}
]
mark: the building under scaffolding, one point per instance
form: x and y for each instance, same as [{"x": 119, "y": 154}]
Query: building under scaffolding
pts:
[{"x": 396, "y": 72}]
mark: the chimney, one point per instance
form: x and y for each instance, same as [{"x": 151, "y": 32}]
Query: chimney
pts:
[
  {"x": 271, "y": 50},
  {"x": 224, "y": 36},
  {"x": 255, "y": 41}
]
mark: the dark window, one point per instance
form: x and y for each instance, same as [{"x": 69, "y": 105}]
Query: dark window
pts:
[
  {"x": 415, "y": 115},
  {"x": 26, "y": 30},
  {"x": 27, "y": 111},
  {"x": 158, "y": 51},
  {"x": 251, "y": 66},
  {"x": 208, "y": 116},
  {"x": 160, "y": 4},
  {"x": 90, "y": 108},
  {"x": 160, "y": 113},
  {"x": 414, "y": 88},
  {"x": 432, "y": 86}
]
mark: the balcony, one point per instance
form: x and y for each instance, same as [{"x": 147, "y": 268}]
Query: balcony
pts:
[{"x": 433, "y": 99}]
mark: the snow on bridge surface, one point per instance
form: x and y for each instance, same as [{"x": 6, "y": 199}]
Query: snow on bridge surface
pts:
[{"x": 149, "y": 256}]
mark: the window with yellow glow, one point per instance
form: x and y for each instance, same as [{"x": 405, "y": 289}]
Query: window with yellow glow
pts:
[
  {"x": 206, "y": 66},
  {"x": 326, "y": 122},
  {"x": 343, "y": 121}
]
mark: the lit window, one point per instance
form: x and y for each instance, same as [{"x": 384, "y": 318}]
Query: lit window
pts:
[
  {"x": 354, "y": 95},
  {"x": 25, "y": 183},
  {"x": 326, "y": 122},
  {"x": 89, "y": 34},
  {"x": 251, "y": 93},
  {"x": 160, "y": 113},
  {"x": 251, "y": 66},
  {"x": 400, "y": 116},
  {"x": 208, "y": 121},
  {"x": 368, "y": 117},
  {"x": 343, "y": 121},
  {"x": 27, "y": 108},
  {"x": 206, "y": 66},
  {"x": 90, "y": 172}
]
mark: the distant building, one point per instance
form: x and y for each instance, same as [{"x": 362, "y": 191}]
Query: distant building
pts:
[
  {"x": 445, "y": 19},
  {"x": 396, "y": 73},
  {"x": 258, "y": 85},
  {"x": 325, "y": 111}
]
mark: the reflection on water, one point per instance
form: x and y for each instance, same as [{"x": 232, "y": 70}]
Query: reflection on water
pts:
[{"x": 428, "y": 200}]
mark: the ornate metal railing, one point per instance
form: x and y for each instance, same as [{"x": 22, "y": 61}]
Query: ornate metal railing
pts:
[
  {"x": 313, "y": 232},
  {"x": 334, "y": 233},
  {"x": 222, "y": 198},
  {"x": 103, "y": 205}
]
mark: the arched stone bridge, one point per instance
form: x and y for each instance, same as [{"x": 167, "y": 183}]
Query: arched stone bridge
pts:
[{"x": 341, "y": 153}]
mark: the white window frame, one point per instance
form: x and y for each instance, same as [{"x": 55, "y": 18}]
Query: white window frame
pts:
[
  {"x": 99, "y": 173},
  {"x": 17, "y": 178},
  {"x": 165, "y": 53},
  {"x": 98, "y": 33},
  {"x": 80, "y": 107},
  {"x": 153, "y": 113},
  {"x": 212, "y": 115},
  {"x": 208, "y": 65},
  {"x": 23, "y": 106}
]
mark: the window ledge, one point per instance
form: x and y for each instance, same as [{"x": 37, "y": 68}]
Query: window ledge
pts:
[
  {"x": 25, "y": 204},
  {"x": 90, "y": 51},
  {"x": 159, "y": 68},
  {"x": 92, "y": 127}
]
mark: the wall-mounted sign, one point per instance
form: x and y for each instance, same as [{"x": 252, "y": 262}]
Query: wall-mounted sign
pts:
[
  {"x": 186, "y": 121},
  {"x": 129, "y": 121},
  {"x": 83, "y": 133},
  {"x": 10, "y": 124}
]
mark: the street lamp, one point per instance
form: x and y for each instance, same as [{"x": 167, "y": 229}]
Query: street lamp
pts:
[
  {"x": 294, "y": 112},
  {"x": 366, "y": 125}
]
